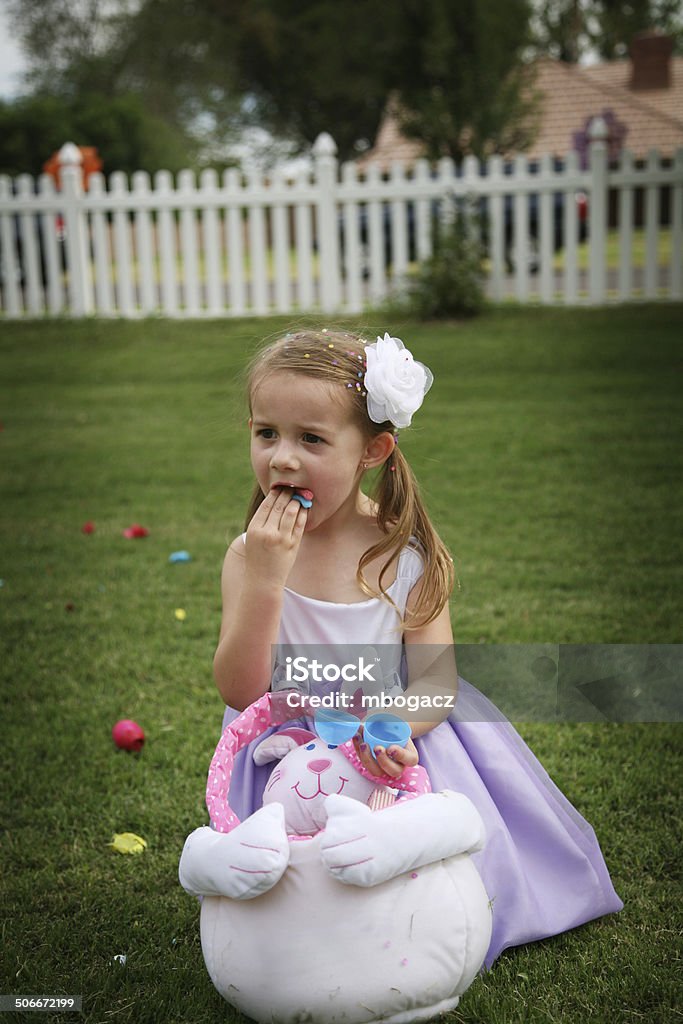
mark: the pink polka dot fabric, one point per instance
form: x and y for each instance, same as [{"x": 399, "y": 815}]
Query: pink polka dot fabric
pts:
[{"x": 251, "y": 724}]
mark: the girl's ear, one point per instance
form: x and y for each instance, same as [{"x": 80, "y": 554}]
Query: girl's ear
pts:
[{"x": 378, "y": 450}]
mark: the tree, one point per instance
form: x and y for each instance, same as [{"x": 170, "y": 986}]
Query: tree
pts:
[
  {"x": 618, "y": 23},
  {"x": 460, "y": 79},
  {"x": 297, "y": 67},
  {"x": 126, "y": 135},
  {"x": 573, "y": 29},
  {"x": 308, "y": 66},
  {"x": 561, "y": 29},
  {"x": 91, "y": 55}
]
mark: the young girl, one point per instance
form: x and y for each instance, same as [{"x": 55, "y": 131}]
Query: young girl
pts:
[{"x": 325, "y": 408}]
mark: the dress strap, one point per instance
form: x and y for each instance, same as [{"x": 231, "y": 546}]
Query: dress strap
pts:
[{"x": 410, "y": 564}]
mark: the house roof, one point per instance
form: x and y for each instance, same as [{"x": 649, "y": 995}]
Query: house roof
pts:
[
  {"x": 390, "y": 142},
  {"x": 571, "y": 94}
]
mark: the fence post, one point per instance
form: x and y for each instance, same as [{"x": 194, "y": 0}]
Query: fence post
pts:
[
  {"x": 324, "y": 151},
  {"x": 676, "y": 278},
  {"x": 80, "y": 284},
  {"x": 597, "y": 134}
]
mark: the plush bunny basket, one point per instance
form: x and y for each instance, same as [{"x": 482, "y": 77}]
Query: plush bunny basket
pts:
[{"x": 319, "y": 908}]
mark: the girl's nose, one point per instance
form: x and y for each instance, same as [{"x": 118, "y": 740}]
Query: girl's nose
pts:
[
  {"x": 318, "y": 766},
  {"x": 284, "y": 458}
]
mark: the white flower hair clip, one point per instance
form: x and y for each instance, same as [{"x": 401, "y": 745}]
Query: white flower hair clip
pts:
[{"x": 395, "y": 382}]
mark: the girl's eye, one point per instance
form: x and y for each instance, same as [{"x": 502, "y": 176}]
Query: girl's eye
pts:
[
  {"x": 266, "y": 433},
  {"x": 312, "y": 439}
]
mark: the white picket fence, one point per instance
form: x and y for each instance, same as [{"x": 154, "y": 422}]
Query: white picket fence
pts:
[{"x": 328, "y": 241}]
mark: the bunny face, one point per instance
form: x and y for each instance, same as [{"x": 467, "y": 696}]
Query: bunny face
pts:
[{"x": 310, "y": 771}]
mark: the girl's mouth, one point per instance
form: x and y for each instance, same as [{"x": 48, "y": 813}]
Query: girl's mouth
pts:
[{"x": 301, "y": 494}]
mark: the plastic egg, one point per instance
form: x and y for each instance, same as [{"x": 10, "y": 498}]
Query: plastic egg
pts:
[
  {"x": 384, "y": 730},
  {"x": 128, "y": 735},
  {"x": 334, "y": 726}
]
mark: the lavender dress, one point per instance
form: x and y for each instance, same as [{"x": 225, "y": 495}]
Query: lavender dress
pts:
[{"x": 542, "y": 866}]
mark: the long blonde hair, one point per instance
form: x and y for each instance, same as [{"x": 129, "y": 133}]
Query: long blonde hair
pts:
[{"x": 337, "y": 357}]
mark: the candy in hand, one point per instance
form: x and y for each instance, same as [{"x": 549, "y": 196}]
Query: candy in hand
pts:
[{"x": 304, "y": 497}]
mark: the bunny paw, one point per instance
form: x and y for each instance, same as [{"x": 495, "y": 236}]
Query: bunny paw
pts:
[
  {"x": 354, "y": 846},
  {"x": 240, "y": 864}
]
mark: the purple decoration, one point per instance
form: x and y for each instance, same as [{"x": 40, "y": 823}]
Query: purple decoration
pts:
[{"x": 616, "y": 133}]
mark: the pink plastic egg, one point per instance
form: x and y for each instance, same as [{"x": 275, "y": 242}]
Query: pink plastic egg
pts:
[{"x": 128, "y": 735}]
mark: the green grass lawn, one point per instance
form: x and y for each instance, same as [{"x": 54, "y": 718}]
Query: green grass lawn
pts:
[
  {"x": 613, "y": 255},
  {"x": 612, "y": 258},
  {"x": 549, "y": 454}
]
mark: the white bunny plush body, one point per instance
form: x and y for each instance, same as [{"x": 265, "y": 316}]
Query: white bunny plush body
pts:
[{"x": 319, "y": 909}]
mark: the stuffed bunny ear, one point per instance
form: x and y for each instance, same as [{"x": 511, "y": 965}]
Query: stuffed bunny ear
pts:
[{"x": 274, "y": 747}]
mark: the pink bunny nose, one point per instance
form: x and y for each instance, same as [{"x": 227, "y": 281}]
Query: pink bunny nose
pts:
[{"x": 318, "y": 766}]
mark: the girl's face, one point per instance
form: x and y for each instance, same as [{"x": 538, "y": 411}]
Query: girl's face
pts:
[{"x": 303, "y": 436}]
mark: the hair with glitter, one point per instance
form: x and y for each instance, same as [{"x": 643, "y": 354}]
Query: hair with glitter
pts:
[{"x": 337, "y": 357}]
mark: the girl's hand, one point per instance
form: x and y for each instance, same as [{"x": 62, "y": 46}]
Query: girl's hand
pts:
[
  {"x": 274, "y": 535},
  {"x": 390, "y": 761}
]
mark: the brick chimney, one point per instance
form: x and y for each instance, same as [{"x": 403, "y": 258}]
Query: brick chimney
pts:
[{"x": 651, "y": 61}]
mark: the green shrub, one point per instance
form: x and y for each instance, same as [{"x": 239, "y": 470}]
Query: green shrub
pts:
[{"x": 450, "y": 283}]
